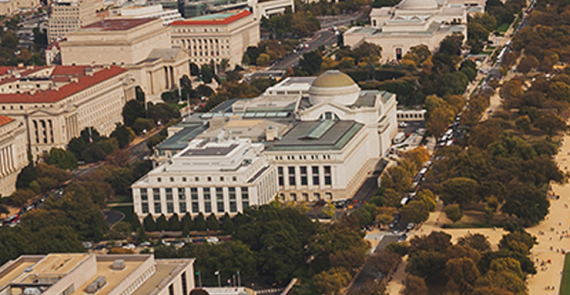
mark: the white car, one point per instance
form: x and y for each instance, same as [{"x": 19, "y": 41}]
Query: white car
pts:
[{"x": 129, "y": 246}]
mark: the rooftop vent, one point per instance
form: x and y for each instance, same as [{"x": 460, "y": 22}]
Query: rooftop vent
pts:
[
  {"x": 97, "y": 284},
  {"x": 118, "y": 264}
]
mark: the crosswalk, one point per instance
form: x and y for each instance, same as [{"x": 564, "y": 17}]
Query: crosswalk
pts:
[{"x": 269, "y": 291}]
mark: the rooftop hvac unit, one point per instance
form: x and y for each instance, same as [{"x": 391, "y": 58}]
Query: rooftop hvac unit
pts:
[
  {"x": 92, "y": 288},
  {"x": 101, "y": 281},
  {"x": 118, "y": 264}
]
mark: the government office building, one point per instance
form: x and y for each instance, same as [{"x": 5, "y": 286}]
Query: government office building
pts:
[{"x": 304, "y": 139}]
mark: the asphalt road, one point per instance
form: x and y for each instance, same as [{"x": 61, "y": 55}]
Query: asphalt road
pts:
[
  {"x": 323, "y": 37},
  {"x": 369, "y": 271},
  {"x": 113, "y": 217}
]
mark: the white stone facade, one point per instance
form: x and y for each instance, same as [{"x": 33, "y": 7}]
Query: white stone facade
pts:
[
  {"x": 151, "y": 11},
  {"x": 217, "y": 36},
  {"x": 13, "y": 156},
  {"x": 56, "y": 103},
  {"x": 408, "y": 24},
  {"x": 209, "y": 176},
  {"x": 69, "y": 15}
]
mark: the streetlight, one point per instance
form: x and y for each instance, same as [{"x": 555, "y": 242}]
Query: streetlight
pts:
[
  {"x": 217, "y": 273},
  {"x": 199, "y": 278}
]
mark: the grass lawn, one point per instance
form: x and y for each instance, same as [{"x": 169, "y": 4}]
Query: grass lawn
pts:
[
  {"x": 565, "y": 284},
  {"x": 120, "y": 199},
  {"x": 127, "y": 210},
  {"x": 490, "y": 48},
  {"x": 503, "y": 28}
]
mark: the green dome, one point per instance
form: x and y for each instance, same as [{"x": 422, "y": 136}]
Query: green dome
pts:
[{"x": 333, "y": 78}]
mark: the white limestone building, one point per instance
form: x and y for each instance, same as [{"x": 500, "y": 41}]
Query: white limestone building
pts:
[
  {"x": 141, "y": 45},
  {"x": 13, "y": 156},
  {"x": 326, "y": 137},
  {"x": 214, "y": 37},
  {"x": 55, "y": 103},
  {"x": 210, "y": 176},
  {"x": 408, "y": 24},
  {"x": 69, "y": 15},
  {"x": 85, "y": 274},
  {"x": 151, "y": 11}
]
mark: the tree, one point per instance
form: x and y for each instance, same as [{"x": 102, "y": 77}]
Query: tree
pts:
[
  {"x": 415, "y": 286},
  {"x": 206, "y": 74},
  {"x": 121, "y": 230},
  {"x": 527, "y": 63},
  {"x": 187, "y": 223},
  {"x": 123, "y": 134},
  {"x": 200, "y": 222},
  {"x": 415, "y": 211},
  {"x": 331, "y": 281},
  {"x": 62, "y": 159},
  {"x": 148, "y": 223},
  {"x": 527, "y": 203},
  {"x": 396, "y": 178},
  {"x": 26, "y": 176},
  {"x": 476, "y": 241},
  {"x": 120, "y": 179},
  {"x": 385, "y": 261},
  {"x": 311, "y": 63},
  {"x": 399, "y": 248},
  {"x": 462, "y": 273},
  {"x": 386, "y": 215},
  {"x": 518, "y": 241},
  {"x": 460, "y": 190},
  {"x": 194, "y": 69},
  {"x": 551, "y": 124},
  {"x": 212, "y": 222},
  {"x": 262, "y": 60},
  {"x": 174, "y": 223},
  {"x": 347, "y": 259},
  {"x": 161, "y": 223},
  {"x": 453, "y": 212},
  {"x": 132, "y": 110},
  {"x": 427, "y": 197},
  {"x": 523, "y": 123},
  {"x": 142, "y": 124},
  {"x": 426, "y": 264},
  {"x": 227, "y": 224}
]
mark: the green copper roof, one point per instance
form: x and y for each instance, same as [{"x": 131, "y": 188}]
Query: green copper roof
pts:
[{"x": 317, "y": 135}]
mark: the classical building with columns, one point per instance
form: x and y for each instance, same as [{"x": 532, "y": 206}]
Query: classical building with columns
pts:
[
  {"x": 214, "y": 37},
  {"x": 55, "y": 103},
  {"x": 218, "y": 175},
  {"x": 322, "y": 137},
  {"x": 410, "y": 23},
  {"x": 141, "y": 45},
  {"x": 13, "y": 156}
]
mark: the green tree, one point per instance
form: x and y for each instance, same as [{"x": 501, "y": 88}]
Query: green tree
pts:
[
  {"x": 426, "y": 264},
  {"x": 385, "y": 261},
  {"x": 120, "y": 179},
  {"x": 527, "y": 63},
  {"x": 142, "y": 124},
  {"x": 460, "y": 190},
  {"x": 62, "y": 159},
  {"x": 123, "y": 134},
  {"x": 462, "y": 274},
  {"x": 174, "y": 223},
  {"x": 26, "y": 176},
  {"x": 332, "y": 281},
  {"x": 551, "y": 124},
  {"x": 399, "y": 248},
  {"x": 200, "y": 222},
  {"x": 415, "y": 211},
  {"x": 347, "y": 259},
  {"x": 148, "y": 223},
  {"x": 476, "y": 241},
  {"x": 133, "y": 110},
  {"x": 311, "y": 63},
  {"x": 523, "y": 123},
  {"x": 396, "y": 178},
  {"x": 527, "y": 203},
  {"x": 227, "y": 224},
  {"x": 206, "y": 74},
  {"x": 187, "y": 222},
  {"x": 161, "y": 223},
  {"x": 428, "y": 198},
  {"x": 453, "y": 212},
  {"x": 415, "y": 286},
  {"x": 212, "y": 222},
  {"x": 262, "y": 60}
]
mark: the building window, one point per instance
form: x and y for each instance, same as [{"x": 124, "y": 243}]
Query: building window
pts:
[
  {"x": 209, "y": 178},
  {"x": 144, "y": 208},
  {"x": 156, "y": 194},
  {"x": 159, "y": 179},
  {"x": 144, "y": 195},
  {"x": 316, "y": 180},
  {"x": 329, "y": 196},
  {"x": 245, "y": 197},
  {"x": 220, "y": 199},
  {"x": 305, "y": 197},
  {"x": 184, "y": 284},
  {"x": 171, "y": 179},
  {"x": 207, "y": 200},
  {"x": 169, "y": 207},
  {"x": 233, "y": 203},
  {"x": 291, "y": 175},
  {"x": 169, "y": 194},
  {"x": 328, "y": 178},
  {"x": 317, "y": 196},
  {"x": 171, "y": 290},
  {"x": 194, "y": 196},
  {"x": 181, "y": 200},
  {"x": 157, "y": 209},
  {"x": 234, "y": 178},
  {"x": 304, "y": 180},
  {"x": 196, "y": 178},
  {"x": 280, "y": 176},
  {"x": 294, "y": 197},
  {"x": 183, "y": 179}
]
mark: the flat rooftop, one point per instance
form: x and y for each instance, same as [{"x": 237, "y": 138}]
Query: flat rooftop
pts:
[
  {"x": 121, "y": 24},
  {"x": 213, "y": 19},
  {"x": 209, "y": 151},
  {"x": 113, "y": 277},
  {"x": 317, "y": 135}
]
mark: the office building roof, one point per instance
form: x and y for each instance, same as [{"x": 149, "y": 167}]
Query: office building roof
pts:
[
  {"x": 5, "y": 120},
  {"x": 317, "y": 135},
  {"x": 122, "y": 24},
  {"x": 213, "y": 19}
]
